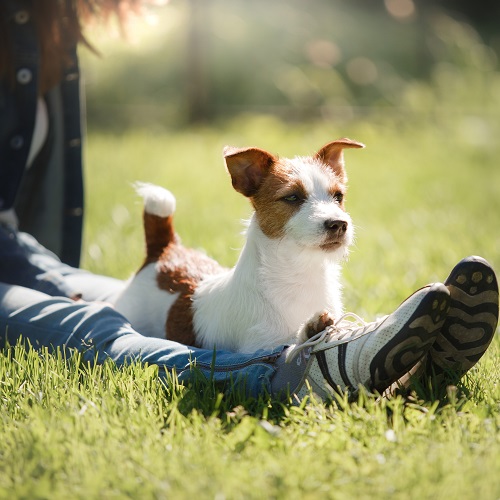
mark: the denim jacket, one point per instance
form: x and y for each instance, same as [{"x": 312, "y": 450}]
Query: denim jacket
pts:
[{"x": 48, "y": 198}]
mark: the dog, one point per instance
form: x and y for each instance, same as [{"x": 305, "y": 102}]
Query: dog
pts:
[{"x": 285, "y": 285}]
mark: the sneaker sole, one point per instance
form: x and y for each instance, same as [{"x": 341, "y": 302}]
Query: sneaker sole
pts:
[
  {"x": 413, "y": 342},
  {"x": 471, "y": 322}
]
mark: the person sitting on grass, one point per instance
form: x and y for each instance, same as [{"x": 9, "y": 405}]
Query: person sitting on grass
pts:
[{"x": 441, "y": 328}]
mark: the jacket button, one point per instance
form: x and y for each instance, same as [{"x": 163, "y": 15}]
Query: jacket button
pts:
[
  {"x": 21, "y": 17},
  {"x": 17, "y": 142},
  {"x": 75, "y": 212},
  {"x": 24, "y": 76}
]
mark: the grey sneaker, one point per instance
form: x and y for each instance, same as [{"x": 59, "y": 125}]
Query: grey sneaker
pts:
[
  {"x": 471, "y": 322},
  {"x": 374, "y": 355}
]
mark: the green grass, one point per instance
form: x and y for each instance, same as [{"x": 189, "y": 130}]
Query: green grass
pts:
[{"x": 423, "y": 195}]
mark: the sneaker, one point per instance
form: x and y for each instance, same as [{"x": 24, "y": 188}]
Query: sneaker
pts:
[
  {"x": 471, "y": 322},
  {"x": 351, "y": 354}
]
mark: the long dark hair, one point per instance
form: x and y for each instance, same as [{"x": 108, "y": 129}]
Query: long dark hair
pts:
[{"x": 60, "y": 25}]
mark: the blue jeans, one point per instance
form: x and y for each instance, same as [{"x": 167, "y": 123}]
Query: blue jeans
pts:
[{"x": 35, "y": 304}]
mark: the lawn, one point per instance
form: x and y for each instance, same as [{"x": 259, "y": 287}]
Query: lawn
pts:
[{"x": 423, "y": 194}]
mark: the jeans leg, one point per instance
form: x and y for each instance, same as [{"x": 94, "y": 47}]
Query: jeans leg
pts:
[
  {"x": 91, "y": 286},
  {"x": 24, "y": 262},
  {"x": 100, "y": 332}
]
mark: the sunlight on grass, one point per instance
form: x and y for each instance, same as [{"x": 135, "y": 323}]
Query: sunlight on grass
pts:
[
  {"x": 99, "y": 431},
  {"x": 421, "y": 199}
]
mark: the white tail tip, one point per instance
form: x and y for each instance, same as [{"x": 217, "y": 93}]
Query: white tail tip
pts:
[{"x": 157, "y": 200}]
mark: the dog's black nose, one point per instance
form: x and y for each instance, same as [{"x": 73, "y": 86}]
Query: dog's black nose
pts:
[{"x": 338, "y": 227}]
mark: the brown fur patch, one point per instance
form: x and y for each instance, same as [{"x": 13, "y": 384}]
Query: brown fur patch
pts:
[
  {"x": 159, "y": 233},
  {"x": 180, "y": 270},
  {"x": 247, "y": 168},
  {"x": 272, "y": 214},
  {"x": 332, "y": 155},
  {"x": 281, "y": 181},
  {"x": 338, "y": 187}
]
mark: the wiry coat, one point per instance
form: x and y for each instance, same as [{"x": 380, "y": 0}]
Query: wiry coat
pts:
[{"x": 287, "y": 273}]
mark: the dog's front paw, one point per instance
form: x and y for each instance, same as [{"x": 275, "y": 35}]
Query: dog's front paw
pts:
[{"x": 319, "y": 322}]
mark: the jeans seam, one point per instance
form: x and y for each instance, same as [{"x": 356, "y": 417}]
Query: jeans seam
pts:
[{"x": 261, "y": 360}]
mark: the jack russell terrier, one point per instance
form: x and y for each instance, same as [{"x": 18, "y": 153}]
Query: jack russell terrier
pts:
[{"x": 285, "y": 286}]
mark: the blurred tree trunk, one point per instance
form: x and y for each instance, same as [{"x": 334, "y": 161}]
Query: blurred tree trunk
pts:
[{"x": 197, "y": 74}]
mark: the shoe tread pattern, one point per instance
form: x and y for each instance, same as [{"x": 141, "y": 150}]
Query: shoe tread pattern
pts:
[
  {"x": 472, "y": 319},
  {"x": 404, "y": 351}
]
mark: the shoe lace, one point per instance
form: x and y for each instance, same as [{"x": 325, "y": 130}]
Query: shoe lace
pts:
[{"x": 345, "y": 329}]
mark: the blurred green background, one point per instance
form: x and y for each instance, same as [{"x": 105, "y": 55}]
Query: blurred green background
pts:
[{"x": 336, "y": 60}]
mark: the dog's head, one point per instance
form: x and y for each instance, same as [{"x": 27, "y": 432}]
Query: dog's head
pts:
[{"x": 301, "y": 199}]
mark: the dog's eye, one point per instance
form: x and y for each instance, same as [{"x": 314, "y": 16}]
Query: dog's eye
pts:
[
  {"x": 338, "y": 197},
  {"x": 292, "y": 198}
]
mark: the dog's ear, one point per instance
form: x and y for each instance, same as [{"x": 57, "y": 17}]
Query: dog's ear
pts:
[
  {"x": 247, "y": 167},
  {"x": 332, "y": 155}
]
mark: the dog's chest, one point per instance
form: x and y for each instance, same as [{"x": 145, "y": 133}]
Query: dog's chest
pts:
[{"x": 299, "y": 295}]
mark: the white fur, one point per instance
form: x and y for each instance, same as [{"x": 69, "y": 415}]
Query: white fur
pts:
[
  {"x": 263, "y": 301},
  {"x": 306, "y": 227},
  {"x": 144, "y": 304},
  {"x": 157, "y": 200},
  {"x": 276, "y": 286}
]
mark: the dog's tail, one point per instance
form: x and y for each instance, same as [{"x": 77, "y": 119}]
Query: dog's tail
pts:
[{"x": 159, "y": 207}]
